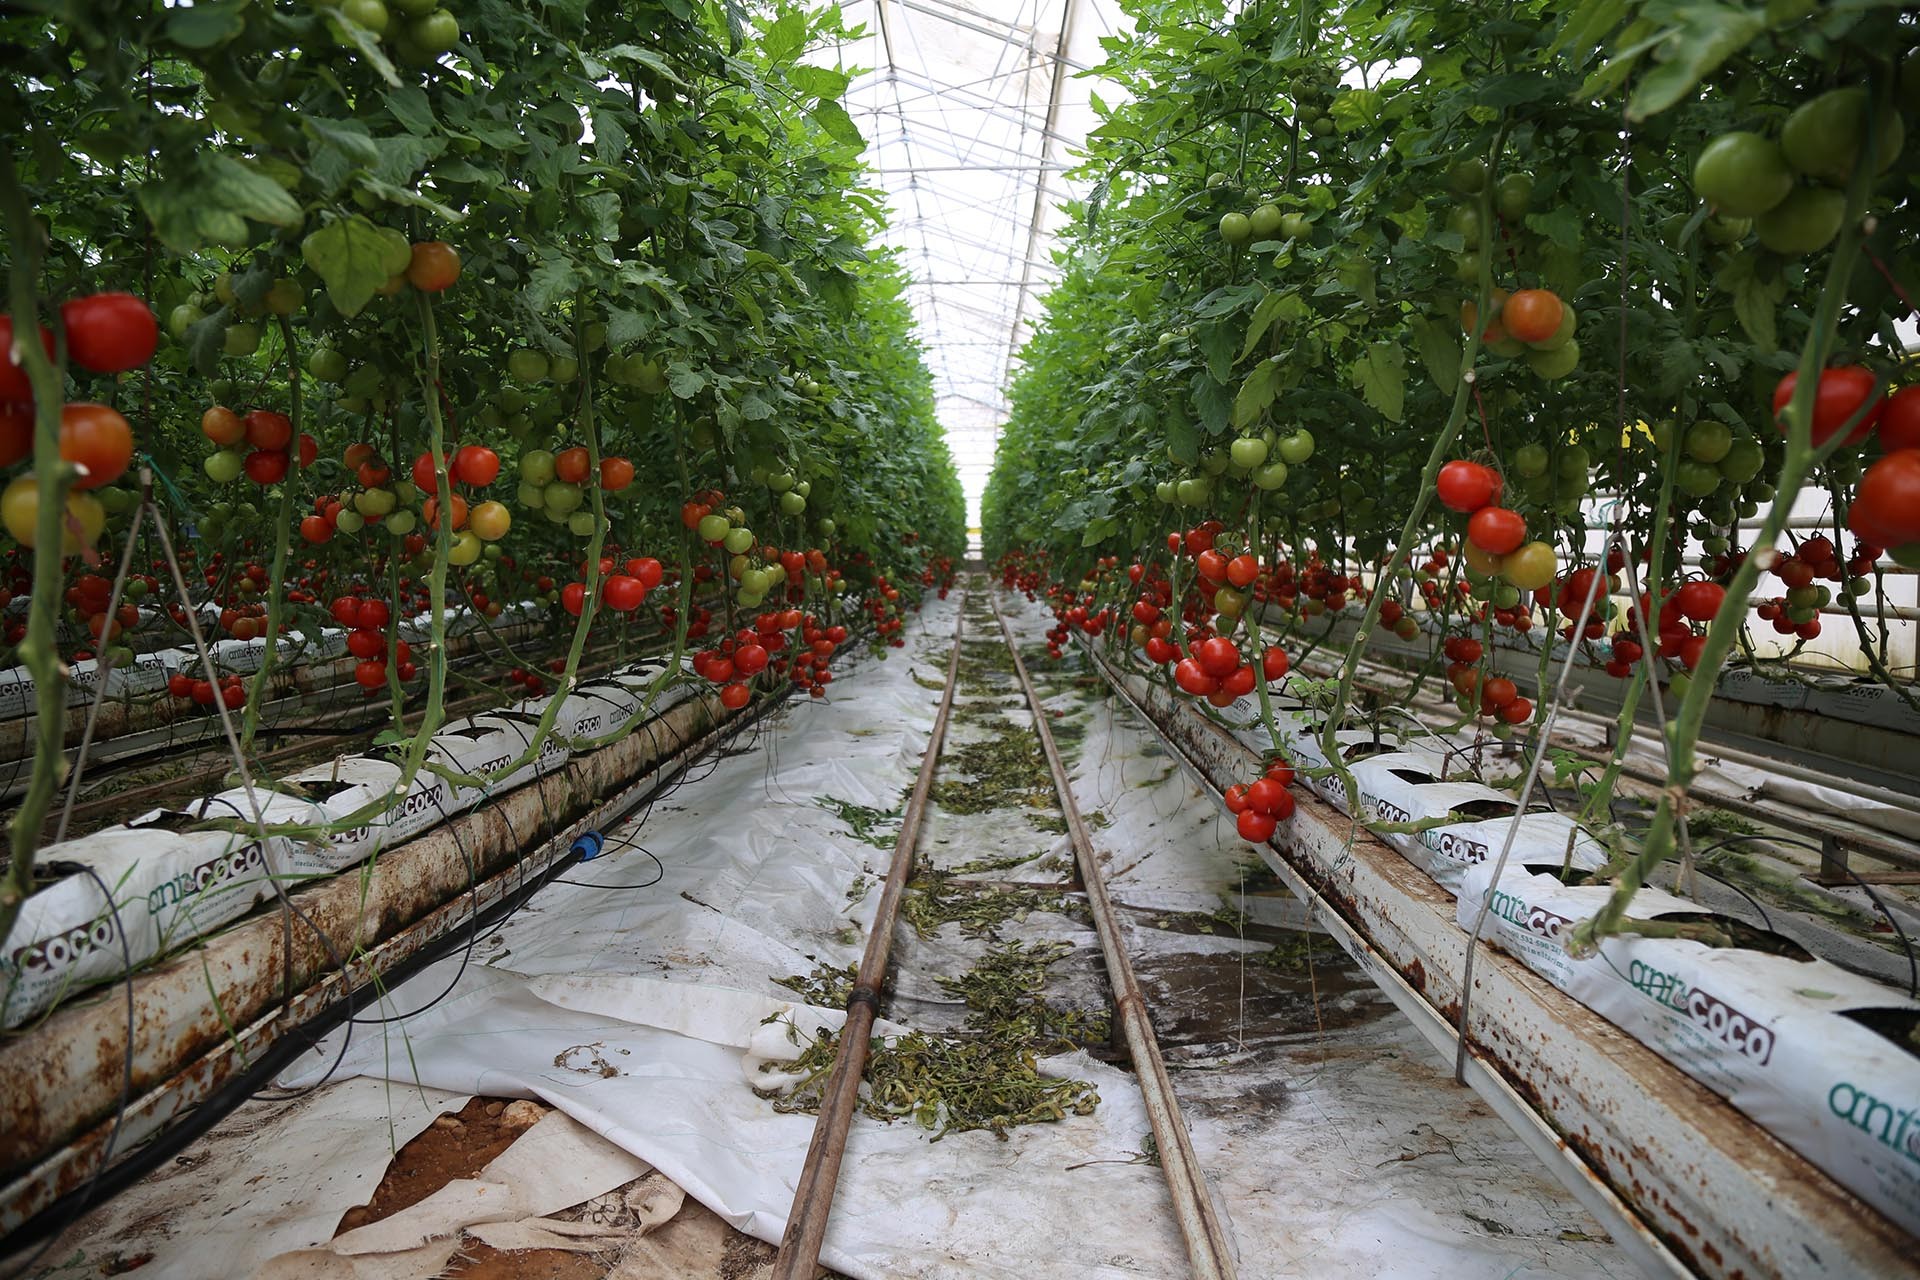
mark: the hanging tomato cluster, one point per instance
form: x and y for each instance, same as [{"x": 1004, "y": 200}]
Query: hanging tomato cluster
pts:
[
  {"x": 1260, "y": 806},
  {"x": 367, "y": 622}
]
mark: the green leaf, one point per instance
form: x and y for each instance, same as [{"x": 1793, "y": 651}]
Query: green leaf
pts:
[
  {"x": 410, "y": 107},
  {"x": 241, "y": 188},
  {"x": 1439, "y": 351},
  {"x": 684, "y": 380},
  {"x": 207, "y": 24},
  {"x": 1516, "y": 88},
  {"x": 839, "y": 126},
  {"x": 1381, "y": 375},
  {"x": 1756, "y": 301},
  {"x": 1707, "y": 36},
  {"x": 206, "y": 341},
  {"x": 647, "y": 58},
  {"x": 786, "y": 36},
  {"x": 1357, "y": 276},
  {"x": 1263, "y": 317},
  {"x": 1583, "y": 33},
  {"x": 353, "y": 258},
  {"x": 1256, "y": 393},
  {"x": 1356, "y": 109},
  {"x": 365, "y": 43},
  {"x": 348, "y": 137},
  {"x": 1183, "y": 442}
]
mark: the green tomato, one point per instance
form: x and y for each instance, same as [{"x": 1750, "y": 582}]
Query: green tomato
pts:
[
  {"x": 182, "y": 318},
  {"x": 1236, "y": 229},
  {"x": 1464, "y": 221},
  {"x": 1266, "y": 221},
  {"x": 580, "y": 524},
  {"x": 826, "y": 526},
  {"x": 401, "y": 523},
  {"x": 1823, "y": 138},
  {"x": 563, "y": 498},
  {"x": 563, "y": 368},
  {"x": 327, "y": 365},
  {"x": 1214, "y": 462},
  {"x": 241, "y": 340},
  {"x": 434, "y": 34},
  {"x": 1805, "y": 222},
  {"x": 1296, "y": 447},
  {"x": 780, "y": 482},
  {"x": 1465, "y": 177},
  {"x": 738, "y": 541},
  {"x": 792, "y": 504},
  {"x": 527, "y": 365},
  {"x": 1249, "y": 452},
  {"x": 1296, "y": 226},
  {"x": 1709, "y": 441},
  {"x": 465, "y": 548},
  {"x": 756, "y": 582},
  {"x": 349, "y": 521},
  {"x": 1742, "y": 175},
  {"x": 1163, "y": 492},
  {"x": 375, "y": 504},
  {"x": 1696, "y": 479},
  {"x": 1553, "y": 365},
  {"x": 371, "y": 14},
  {"x": 1530, "y": 460},
  {"x": 285, "y": 296},
  {"x": 536, "y": 467},
  {"x": 1513, "y": 196},
  {"x": 1270, "y": 476},
  {"x": 1743, "y": 460},
  {"x": 713, "y": 528},
  {"x": 1191, "y": 491},
  {"x": 224, "y": 466}
]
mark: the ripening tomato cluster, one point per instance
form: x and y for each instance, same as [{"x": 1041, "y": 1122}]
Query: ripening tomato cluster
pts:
[
  {"x": 938, "y": 570},
  {"x": 530, "y": 683},
  {"x": 267, "y": 437},
  {"x": 623, "y": 591},
  {"x": 367, "y": 622},
  {"x": 883, "y": 606},
  {"x": 88, "y": 598},
  {"x": 1260, "y": 806},
  {"x": 232, "y": 690}
]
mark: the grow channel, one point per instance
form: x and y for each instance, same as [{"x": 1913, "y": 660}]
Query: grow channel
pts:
[{"x": 669, "y": 1001}]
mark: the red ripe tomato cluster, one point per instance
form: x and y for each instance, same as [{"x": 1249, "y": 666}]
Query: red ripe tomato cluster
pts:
[
  {"x": 473, "y": 465},
  {"x": 106, "y": 333},
  {"x": 883, "y": 606},
  {"x": 267, "y": 433},
  {"x": 623, "y": 591},
  {"x": 367, "y": 622},
  {"x": 1214, "y": 670},
  {"x": 89, "y": 597},
  {"x": 527, "y": 680},
  {"x": 1260, "y": 806},
  {"x": 231, "y": 691}
]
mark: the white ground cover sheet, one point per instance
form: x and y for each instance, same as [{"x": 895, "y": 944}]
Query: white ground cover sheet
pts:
[{"x": 1336, "y": 1145}]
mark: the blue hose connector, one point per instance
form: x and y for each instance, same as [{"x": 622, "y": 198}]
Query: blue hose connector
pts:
[{"x": 587, "y": 845}]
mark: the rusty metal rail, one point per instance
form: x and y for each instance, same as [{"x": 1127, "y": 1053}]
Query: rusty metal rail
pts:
[
  {"x": 799, "y": 1257},
  {"x": 1209, "y": 1252}
]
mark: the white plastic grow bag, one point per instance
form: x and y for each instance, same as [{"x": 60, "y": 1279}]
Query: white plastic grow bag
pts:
[
  {"x": 351, "y": 783},
  {"x": 1769, "y": 1033}
]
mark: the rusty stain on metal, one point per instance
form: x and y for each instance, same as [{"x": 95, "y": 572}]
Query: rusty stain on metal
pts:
[{"x": 55, "y": 1103}]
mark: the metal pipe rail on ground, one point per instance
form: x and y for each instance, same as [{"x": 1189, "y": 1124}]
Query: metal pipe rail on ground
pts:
[{"x": 1208, "y": 1249}]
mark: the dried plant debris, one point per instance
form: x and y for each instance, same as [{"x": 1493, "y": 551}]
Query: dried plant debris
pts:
[
  {"x": 979, "y": 909},
  {"x": 877, "y": 827},
  {"x": 1005, "y": 994},
  {"x": 925, "y": 683},
  {"x": 827, "y": 987},
  {"x": 986, "y": 866},
  {"x": 1003, "y": 771}
]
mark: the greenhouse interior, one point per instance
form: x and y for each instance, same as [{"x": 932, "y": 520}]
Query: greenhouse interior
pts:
[{"x": 769, "y": 639}]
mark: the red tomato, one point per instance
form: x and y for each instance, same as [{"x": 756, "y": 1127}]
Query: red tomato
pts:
[
  {"x": 1236, "y": 798},
  {"x": 735, "y": 696},
  {"x": 424, "y": 477},
  {"x": 1699, "y": 601},
  {"x": 1190, "y": 676},
  {"x": 13, "y": 379},
  {"x": 623, "y": 593},
  {"x": 315, "y": 529},
  {"x": 1212, "y": 565},
  {"x": 750, "y": 659},
  {"x": 363, "y": 643},
  {"x": 476, "y": 465},
  {"x": 267, "y": 466},
  {"x": 1889, "y": 497},
  {"x": 1242, "y": 570},
  {"x": 1266, "y": 796},
  {"x": 309, "y": 450},
  {"x": 374, "y": 614},
  {"x": 267, "y": 429},
  {"x": 1496, "y": 530},
  {"x": 1255, "y": 827},
  {"x": 434, "y": 266},
  {"x": 573, "y": 597},
  {"x": 370, "y": 674},
  {"x": 16, "y": 433},
  {"x": 1533, "y": 315},
  {"x": 345, "y": 610},
  {"x": 1273, "y": 663},
  {"x": 1519, "y": 711},
  {"x": 1837, "y": 398},
  {"x": 650, "y": 571},
  {"x": 1499, "y": 691},
  {"x": 223, "y": 426},
  {"x": 615, "y": 474},
  {"x": 96, "y": 438},
  {"x": 571, "y": 465},
  {"x": 1466, "y": 486},
  {"x": 1900, "y": 420},
  {"x": 1217, "y": 657},
  {"x": 109, "y": 332}
]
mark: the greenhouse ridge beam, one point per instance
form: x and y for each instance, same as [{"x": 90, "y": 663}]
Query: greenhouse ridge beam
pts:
[{"x": 1040, "y": 185}]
